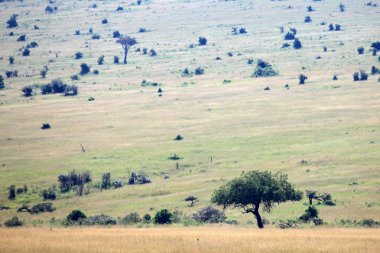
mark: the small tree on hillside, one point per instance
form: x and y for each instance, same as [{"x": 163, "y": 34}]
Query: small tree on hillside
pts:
[
  {"x": 12, "y": 192},
  {"x": 191, "y": 199},
  {"x": 126, "y": 42},
  {"x": 106, "y": 181},
  {"x": 2, "y": 86},
  {"x": 202, "y": 41},
  {"x": 256, "y": 188},
  {"x": 311, "y": 194},
  {"x": 12, "y": 21}
]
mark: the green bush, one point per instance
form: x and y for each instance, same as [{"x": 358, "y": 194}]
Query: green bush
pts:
[
  {"x": 76, "y": 215},
  {"x": 41, "y": 208},
  {"x": 14, "y": 222},
  {"x": 209, "y": 214},
  {"x": 101, "y": 220},
  {"x": 131, "y": 218},
  {"x": 264, "y": 69},
  {"x": 163, "y": 216}
]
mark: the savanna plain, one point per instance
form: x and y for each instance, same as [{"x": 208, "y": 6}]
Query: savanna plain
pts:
[{"x": 184, "y": 117}]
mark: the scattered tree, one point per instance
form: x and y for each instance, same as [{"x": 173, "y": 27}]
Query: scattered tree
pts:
[
  {"x": 12, "y": 192},
  {"x": 28, "y": 91},
  {"x": 101, "y": 60},
  {"x": 126, "y": 42},
  {"x": 209, "y": 214},
  {"x": 116, "y": 59},
  {"x": 13, "y": 222},
  {"x": 256, "y": 188},
  {"x": 192, "y": 200},
  {"x": 264, "y": 69},
  {"x": 26, "y": 52},
  {"x": 76, "y": 215},
  {"x": 106, "y": 181},
  {"x": 2, "y": 85},
  {"x": 297, "y": 44},
  {"x": 302, "y": 78},
  {"x": 78, "y": 55},
  {"x": 307, "y": 19},
  {"x": 360, "y": 50},
  {"x": 12, "y": 21},
  {"x": 85, "y": 69},
  {"x": 163, "y": 216},
  {"x": 342, "y": 8},
  {"x": 202, "y": 41}
]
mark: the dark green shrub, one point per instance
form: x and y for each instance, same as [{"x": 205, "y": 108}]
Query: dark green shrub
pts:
[
  {"x": 117, "y": 183},
  {"x": 84, "y": 69},
  {"x": 147, "y": 218},
  {"x": 202, "y": 41},
  {"x": 2, "y": 85},
  {"x": 26, "y": 52},
  {"x": 14, "y": 222},
  {"x": 138, "y": 178},
  {"x": 363, "y": 75},
  {"x": 199, "y": 71},
  {"x": 297, "y": 44},
  {"x": 174, "y": 157},
  {"x": 374, "y": 70},
  {"x": 106, "y": 181},
  {"x": 360, "y": 50},
  {"x": 116, "y": 59},
  {"x": 22, "y": 37},
  {"x": 209, "y": 214},
  {"x": 302, "y": 78},
  {"x": 11, "y": 60},
  {"x": 185, "y": 72},
  {"x": 12, "y": 192},
  {"x": 101, "y": 220},
  {"x": 71, "y": 90},
  {"x": 12, "y": 21},
  {"x": 101, "y": 60},
  {"x": 116, "y": 34},
  {"x": 178, "y": 138},
  {"x": 356, "y": 76},
  {"x": 76, "y": 215},
  {"x": 28, "y": 91},
  {"x": 49, "y": 193},
  {"x": 307, "y": 19},
  {"x": 131, "y": 218},
  {"x": 41, "y": 208},
  {"x": 95, "y": 36},
  {"x": 376, "y": 45},
  {"x": 45, "y": 126},
  {"x": 310, "y": 213},
  {"x": 104, "y": 21},
  {"x": 78, "y": 55},
  {"x": 163, "y": 217},
  {"x": 152, "y": 53},
  {"x": 264, "y": 69}
]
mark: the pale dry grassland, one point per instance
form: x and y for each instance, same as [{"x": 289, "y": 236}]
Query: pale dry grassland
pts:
[{"x": 188, "y": 240}]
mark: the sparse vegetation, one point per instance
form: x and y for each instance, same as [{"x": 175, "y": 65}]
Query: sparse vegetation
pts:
[{"x": 264, "y": 69}]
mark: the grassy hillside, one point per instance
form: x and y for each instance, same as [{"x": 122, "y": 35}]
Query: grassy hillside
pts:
[{"x": 333, "y": 125}]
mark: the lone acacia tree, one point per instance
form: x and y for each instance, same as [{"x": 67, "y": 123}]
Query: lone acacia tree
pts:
[
  {"x": 254, "y": 188},
  {"x": 126, "y": 42}
]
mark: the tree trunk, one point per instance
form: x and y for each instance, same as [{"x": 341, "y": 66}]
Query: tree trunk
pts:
[
  {"x": 258, "y": 217},
  {"x": 125, "y": 55}
]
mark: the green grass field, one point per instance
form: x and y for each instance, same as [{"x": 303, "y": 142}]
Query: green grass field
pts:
[{"x": 333, "y": 125}]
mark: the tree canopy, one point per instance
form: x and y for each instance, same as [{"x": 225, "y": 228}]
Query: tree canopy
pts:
[{"x": 254, "y": 188}]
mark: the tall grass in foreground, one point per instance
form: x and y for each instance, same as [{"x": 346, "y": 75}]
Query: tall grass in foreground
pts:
[{"x": 204, "y": 239}]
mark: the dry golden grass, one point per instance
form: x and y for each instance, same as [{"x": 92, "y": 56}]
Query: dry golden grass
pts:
[{"x": 205, "y": 239}]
